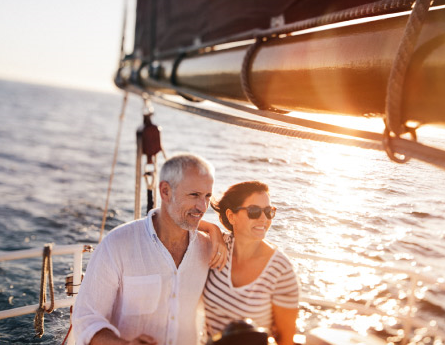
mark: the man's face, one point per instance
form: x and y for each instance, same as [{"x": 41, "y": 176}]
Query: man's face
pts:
[{"x": 190, "y": 199}]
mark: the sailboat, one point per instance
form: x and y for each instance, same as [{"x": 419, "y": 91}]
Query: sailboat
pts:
[{"x": 259, "y": 66}]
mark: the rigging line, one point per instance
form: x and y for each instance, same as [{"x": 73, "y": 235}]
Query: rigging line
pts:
[
  {"x": 267, "y": 127},
  {"x": 279, "y": 117},
  {"x": 113, "y": 165},
  {"x": 418, "y": 151},
  {"x": 245, "y": 78},
  {"x": 400, "y": 65}
]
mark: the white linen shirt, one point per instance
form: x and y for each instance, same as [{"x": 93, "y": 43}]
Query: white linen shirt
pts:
[{"x": 132, "y": 287}]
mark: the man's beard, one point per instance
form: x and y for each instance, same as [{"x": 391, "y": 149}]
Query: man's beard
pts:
[{"x": 175, "y": 214}]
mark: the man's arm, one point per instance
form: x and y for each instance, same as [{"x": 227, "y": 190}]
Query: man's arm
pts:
[
  {"x": 97, "y": 294},
  {"x": 107, "y": 337},
  {"x": 219, "y": 248}
]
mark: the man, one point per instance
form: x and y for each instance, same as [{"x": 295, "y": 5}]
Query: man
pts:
[{"x": 144, "y": 280}]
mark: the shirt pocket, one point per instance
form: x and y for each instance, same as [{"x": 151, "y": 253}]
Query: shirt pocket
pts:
[{"x": 141, "y": 294}]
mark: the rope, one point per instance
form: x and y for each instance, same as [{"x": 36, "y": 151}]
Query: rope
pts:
[
  {"x": 245, "y": 79},
  {"x": 70, "y": 328},
  {"x": 113, "y": 165},
  {"x": 47, "y": 271},
  {"x": 267, "y": 127},
  {"x": 415, "y": 150},
  {"x": 399, "y": 68},
  {"x": 392, "y": 154},
  {"x": 67, "y": 334},
  {"x": 175, "y": 66},
  {"x": 278, "y": 117}
]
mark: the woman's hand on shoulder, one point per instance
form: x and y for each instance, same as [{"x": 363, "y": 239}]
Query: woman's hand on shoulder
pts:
[{"x": 219, "y": 249}]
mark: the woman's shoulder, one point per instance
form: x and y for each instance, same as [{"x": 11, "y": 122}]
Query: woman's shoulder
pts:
[
  {"x": 268, "y": 249},
  {"x": 279, "y": 259}
]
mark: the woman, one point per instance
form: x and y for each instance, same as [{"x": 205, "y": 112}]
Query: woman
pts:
[{"x": 258, "y": 281}]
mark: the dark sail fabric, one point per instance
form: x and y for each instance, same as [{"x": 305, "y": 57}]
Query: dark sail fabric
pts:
[{"x": 169, "y": 25}]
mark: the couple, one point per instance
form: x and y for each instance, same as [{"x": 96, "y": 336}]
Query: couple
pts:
[{"x": 145, "y": 280}]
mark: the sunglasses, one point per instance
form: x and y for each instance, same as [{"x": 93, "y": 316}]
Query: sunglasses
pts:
[{"x": 254, "y": 212}]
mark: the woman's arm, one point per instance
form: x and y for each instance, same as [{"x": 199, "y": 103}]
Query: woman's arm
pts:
[
  {"x": 219, "y": 248},
  {"x": 284, "y": 320}
]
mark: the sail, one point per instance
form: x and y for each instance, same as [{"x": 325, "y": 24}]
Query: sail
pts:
[{"x": 171, "y": 25}]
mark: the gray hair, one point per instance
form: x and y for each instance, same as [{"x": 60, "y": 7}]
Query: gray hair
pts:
[{"x": 173, "y": 169}]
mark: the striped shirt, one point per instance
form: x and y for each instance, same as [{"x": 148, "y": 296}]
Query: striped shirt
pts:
[{"x": 277, "y": 284}]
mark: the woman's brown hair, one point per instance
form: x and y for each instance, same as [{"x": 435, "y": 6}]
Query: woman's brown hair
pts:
[{"x": 234, "y": 197}]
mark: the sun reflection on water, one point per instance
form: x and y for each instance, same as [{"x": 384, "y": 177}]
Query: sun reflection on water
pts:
[
  {"x": 338, "y": 283},
  {"x": 343, "y": 284}
]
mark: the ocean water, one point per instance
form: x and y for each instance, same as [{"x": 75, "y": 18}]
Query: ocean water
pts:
[{"x": 56, "y": 148}]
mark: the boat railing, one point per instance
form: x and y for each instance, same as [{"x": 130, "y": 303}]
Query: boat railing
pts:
[
  {"x": 76, "y": 250},
  {"x": 408, "y": 320}
]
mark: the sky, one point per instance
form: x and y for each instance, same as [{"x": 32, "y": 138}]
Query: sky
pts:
[{"x": 63, "y": 42}]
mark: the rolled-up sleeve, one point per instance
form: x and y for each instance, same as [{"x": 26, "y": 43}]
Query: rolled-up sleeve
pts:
[{"x": 94, "y": 304}]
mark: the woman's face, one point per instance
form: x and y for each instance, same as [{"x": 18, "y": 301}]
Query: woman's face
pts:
[{"x": 245, "y": 227}]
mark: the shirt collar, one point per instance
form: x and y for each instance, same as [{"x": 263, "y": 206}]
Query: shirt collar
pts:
[
  {"x": 192, "y": 235},
  {"x": 152, "y": 232},
  {"x": 149, "y": 225}
]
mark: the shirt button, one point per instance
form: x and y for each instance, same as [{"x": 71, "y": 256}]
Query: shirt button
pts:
[
  {"x": 174, "y": 295},
  {"x": 170, "y": 342},
  {"x": 172, "y": 317}
]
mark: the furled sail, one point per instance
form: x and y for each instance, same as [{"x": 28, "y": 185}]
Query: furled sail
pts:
[
  {"x": 381, "y": 58},
  {"x": 313, "y": 55}
]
